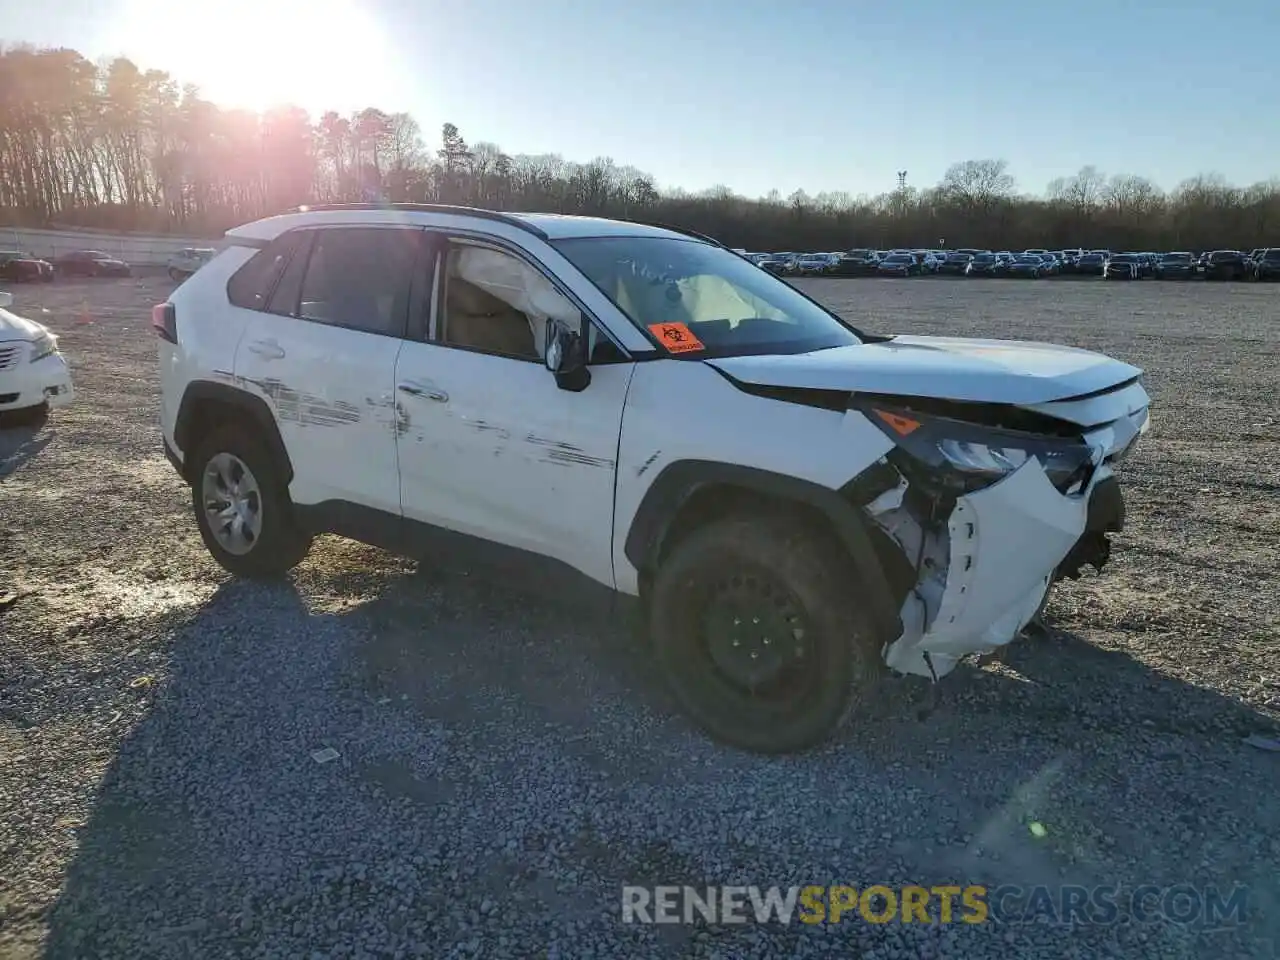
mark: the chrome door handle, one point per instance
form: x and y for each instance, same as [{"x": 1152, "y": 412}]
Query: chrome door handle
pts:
[
  {"x": 267, "y": 348},
  {"x": 415, "y": 389}
]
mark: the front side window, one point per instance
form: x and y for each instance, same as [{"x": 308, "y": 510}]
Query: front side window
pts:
[
  {"x": 360, "y": 277},
  {"x": 732, "y": 308},
  {"x": 497, "y": 303}
]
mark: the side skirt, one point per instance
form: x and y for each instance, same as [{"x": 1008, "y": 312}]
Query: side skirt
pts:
[{"x": 522, "y": 571}]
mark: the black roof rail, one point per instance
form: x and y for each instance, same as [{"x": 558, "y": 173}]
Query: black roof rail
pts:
[
  {"x": 478, "y": 212},
  {"x": 674, "y": 229}
]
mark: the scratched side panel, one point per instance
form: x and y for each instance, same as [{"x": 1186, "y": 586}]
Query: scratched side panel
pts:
[
  {"x": 510, "y": 457},
  {"x": 331, "y": 393},
  {"x": 209, "y": 331},
  {"x": 678, "y": 410}
]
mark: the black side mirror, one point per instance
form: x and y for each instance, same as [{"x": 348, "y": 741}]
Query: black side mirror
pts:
[{"x": 566, "y": 357}]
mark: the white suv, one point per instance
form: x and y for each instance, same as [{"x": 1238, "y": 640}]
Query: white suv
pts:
[{"x": 620, "y": 410}]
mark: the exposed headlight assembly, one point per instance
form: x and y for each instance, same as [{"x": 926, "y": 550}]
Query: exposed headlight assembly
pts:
[
  {"x": 45, "y": 345},
  {"x": 965, "y": 457}
]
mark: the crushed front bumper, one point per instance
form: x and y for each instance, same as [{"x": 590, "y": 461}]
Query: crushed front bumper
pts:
[{"x": 984, "y": 575}]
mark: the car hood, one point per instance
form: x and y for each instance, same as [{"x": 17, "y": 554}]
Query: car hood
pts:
[
  {"x": 951, "y": 368},
  {"x": 14, "y": 327}
]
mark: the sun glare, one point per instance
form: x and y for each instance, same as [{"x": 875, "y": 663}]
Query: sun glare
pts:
[{"x": 317, "y": 54}]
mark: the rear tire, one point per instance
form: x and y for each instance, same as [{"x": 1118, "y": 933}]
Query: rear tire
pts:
[
  {"x": 279, "y": 543},
  {"x": 755, "y": 625}
]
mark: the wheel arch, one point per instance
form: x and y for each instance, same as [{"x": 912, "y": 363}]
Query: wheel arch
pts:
[
  {"x": 688, "y": 494},
  {"x": 206, "y": 405}
]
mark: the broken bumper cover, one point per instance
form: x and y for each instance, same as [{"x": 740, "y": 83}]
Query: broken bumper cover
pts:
[{"x": 1004, "y": 547}]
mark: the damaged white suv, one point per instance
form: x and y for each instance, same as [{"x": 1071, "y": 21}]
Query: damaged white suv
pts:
[{"x": 613, "y": 409}]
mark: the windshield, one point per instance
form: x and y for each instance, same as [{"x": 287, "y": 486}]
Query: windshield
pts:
[
  {"x": 1225, "y": 255},
  {"x": 732, "y": 308},
  {"x": 1028, "y": 258},
  {"x": 1272, "y": 254},
  {"x": 899, "y": 258},
  {"x": 1122, "y": 258},
  {"x": 1176, "y": 258},
  {"x": 985, "y": 258}
]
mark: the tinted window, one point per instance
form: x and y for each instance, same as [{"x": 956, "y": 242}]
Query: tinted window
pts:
[
  {"x": 360, "y": 277},
  {"x": 251, "y": 285},
  {"x": 289, "y": 290}
]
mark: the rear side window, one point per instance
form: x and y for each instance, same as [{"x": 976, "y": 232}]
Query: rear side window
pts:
[
  {"x": 251, "y": 285},
  {"x": 360, "y": 277}
]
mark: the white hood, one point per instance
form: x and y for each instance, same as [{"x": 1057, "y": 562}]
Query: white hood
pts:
[
  {"x": 950, "y": 368},
  {"x": 14, "y": 327}
]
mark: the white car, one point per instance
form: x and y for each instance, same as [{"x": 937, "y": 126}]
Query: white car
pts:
[
  {"x": 188, "y": 260},
  {"x": 599, "y": 409},
  {"x": 32, "y": 371}
]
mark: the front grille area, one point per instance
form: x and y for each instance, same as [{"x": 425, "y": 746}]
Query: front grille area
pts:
[{"x": 9, "y": 355}]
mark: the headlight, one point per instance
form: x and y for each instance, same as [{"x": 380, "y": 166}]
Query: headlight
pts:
[
  {"x": 45, "y": 345},
  {"x": 966, "y": 456}
]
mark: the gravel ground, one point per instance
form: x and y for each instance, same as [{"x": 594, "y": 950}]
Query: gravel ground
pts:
[{"x": 505, "y": 767}]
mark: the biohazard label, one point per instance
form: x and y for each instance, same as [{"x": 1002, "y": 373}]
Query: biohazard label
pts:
[{"x": 676, "y": 337}]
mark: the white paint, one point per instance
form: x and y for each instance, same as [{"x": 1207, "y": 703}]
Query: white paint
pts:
[
  {"x": 991, "y": 371},
  {"x": 47, "y": 380},
  {"x": 1005, "y": 542},
  {"x": 489, "y": 446}
]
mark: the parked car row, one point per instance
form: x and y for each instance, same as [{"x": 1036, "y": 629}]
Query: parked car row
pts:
[
  {"x": 1260, "y": 264},
  {"x": 22, "y": 266}
]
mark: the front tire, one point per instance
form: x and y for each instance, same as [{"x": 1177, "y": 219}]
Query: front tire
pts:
[
  {"x": 755, "y": 625},
  {"x": 242, "y": 506}
]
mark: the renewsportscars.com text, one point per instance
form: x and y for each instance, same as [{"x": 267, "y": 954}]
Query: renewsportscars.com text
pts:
[{"x": 1206, "y": 907}]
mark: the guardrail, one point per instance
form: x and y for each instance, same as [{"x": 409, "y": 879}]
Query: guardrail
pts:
[{"x": 136, "y": 249}]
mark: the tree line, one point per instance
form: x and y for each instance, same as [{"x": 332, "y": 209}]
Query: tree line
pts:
[{"x": 112, "y": 146}]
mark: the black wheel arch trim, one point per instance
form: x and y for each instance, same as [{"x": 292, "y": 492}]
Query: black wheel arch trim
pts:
[
  {"x": 678, "y": 481},
  {"x": 254, "y": 408}
]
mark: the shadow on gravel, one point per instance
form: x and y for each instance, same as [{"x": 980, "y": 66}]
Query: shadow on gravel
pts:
[
  {"x": 458, "y": 710},
  {"x": 22, "y": 437}
]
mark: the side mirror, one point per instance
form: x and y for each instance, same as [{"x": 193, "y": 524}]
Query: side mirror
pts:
[
  {"x": 6, "y": 299},
  {"x": 566, "y": 357}
]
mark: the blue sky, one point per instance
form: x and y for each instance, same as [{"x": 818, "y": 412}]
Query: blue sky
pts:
[{"x": 812, "y": 94}]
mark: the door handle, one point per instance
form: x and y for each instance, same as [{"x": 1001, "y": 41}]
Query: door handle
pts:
[
  {"x": 268, "y": 349},
  {"x": 416, "y": 389}
]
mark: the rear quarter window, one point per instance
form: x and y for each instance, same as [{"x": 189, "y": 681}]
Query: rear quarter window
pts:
[{"x": 250, "y": 287}]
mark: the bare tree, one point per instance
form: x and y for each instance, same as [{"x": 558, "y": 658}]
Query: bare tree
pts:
[
  {"x": 977, "y": 183},
  {"x": 111, "y": 144}
]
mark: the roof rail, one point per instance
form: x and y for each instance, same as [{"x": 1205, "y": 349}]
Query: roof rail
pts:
[
  {"x": 478, "y": 212},
  {"x": 674, "y": 229}
]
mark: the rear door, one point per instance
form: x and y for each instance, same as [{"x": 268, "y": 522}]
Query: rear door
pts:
[{"x": 322, "y": 353}]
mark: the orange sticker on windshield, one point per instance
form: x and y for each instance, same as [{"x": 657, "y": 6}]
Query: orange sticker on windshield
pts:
[{"x": 676, "y": 337}]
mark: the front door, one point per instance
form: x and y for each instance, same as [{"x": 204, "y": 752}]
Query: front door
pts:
[{"x": 491, "y": 448}]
